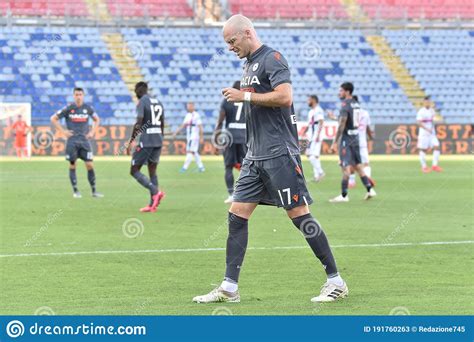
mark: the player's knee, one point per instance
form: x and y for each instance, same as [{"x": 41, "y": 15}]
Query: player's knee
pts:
[
  {"x": 298, "y": 211},
  {"x": 72, "y": 165}
]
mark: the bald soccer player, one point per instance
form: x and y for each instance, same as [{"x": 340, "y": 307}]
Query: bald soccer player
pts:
[{"x": 271, "y": 172}]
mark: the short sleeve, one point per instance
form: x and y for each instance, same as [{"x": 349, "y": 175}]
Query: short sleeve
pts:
[
  {"x": 344, "y": 112},
  {"x": 419, "y": 115},
  {"x": 198, "y": 119},
  {"x": 140, "y": 109},
  {"x": 92, "y": 112},
  {"x": 62, "y": 113},
  {"x": 319, "y": 115},
  {"x": 276, "y": 68}
]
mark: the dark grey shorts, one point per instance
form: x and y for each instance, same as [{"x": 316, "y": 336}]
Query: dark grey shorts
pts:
[
  {"x": 278, "y": 181},
  {"x": 78, "y": 148},
  {"x": 234, "y": 154},
  {"x": 145, "y": 155},
  {"x": 349, "y": 152}
]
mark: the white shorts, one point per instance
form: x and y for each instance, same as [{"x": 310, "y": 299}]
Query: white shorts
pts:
[
  {"x": 364, "y": 154},
  {"x": 192, "y": 146},
  {"x": 427, "y": 141},
  {"x": 314, "y": 149}
]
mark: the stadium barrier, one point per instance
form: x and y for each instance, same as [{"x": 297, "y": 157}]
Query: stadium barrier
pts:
[{"x": 111, "y": 140}]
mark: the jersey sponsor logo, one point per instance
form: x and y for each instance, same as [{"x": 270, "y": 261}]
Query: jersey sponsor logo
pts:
[
  {"x": 277, "y": 56},
  {"x": 295, "y": 197},
  {"x": 255, "y": 67},
  {"x": 153, "y": 130},
  {"x": 237, "y": 125},
  {"x": 79, "y": 117},
  {"x": 249, "y": 80}
]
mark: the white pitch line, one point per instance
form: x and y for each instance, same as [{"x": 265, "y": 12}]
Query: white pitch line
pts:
[{"x": 187, "y": 250}]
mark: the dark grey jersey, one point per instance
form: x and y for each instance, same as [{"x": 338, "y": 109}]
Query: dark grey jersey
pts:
[
  {"x": 77, "y": 118},
  {"x": 351, "y": 110},
  {"x": 234, "y": 120},
  {"x": 151, "y": 112},
  {"x": 271, "y": 131}
]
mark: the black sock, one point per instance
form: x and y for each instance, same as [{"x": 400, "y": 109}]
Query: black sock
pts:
[
  {"x": 318, "y": 242},
  {"x": 229, "y": 179},
  {"x": 236, "y": 246},
  {"x": 73, "y": 179},
  {"x": 145, "y": 182},
  {"x": 91, "y": 178},
  {"x": 344, "y": 186},
  {"x": 366, "y": 182}
]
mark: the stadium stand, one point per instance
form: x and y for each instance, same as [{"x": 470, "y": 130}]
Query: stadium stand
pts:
[
  {"x": 150, "y": 8},
  {"x": 437, "y": 59},
  {"x": 416, "y": 9},
  {"x": 42, "y": 65},
  {"x": 289, "y": 9},
  {"x": 38, "y": 8},
  {"x": 37, "y": 66}
]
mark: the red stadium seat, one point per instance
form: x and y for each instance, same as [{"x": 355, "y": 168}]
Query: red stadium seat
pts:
[
  {"x": 38, "y": 8},
  {"x": 415, "y": 9},
  {"x": 150, "y": 8}
]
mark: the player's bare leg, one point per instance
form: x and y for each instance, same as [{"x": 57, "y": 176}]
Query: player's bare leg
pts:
[
  {"x": 73, "y": 179},
  {"x": 436, "y": 154},
  {"x": 239, "y": 213},
  {"x": 335, "y": 287},
  {"x": 91, "y": 179}
]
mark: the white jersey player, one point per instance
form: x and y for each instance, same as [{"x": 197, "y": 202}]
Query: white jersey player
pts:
[
  {"x": 314, "y": 129},
  {"x": 194, "y": 136},
  {"x": 427, "y": 136},
  {"x": 365, "y": 132}
]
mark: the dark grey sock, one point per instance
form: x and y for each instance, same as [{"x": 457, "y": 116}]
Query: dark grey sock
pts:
[
  {"x": 366, "y": 182},
  {"x": 154, "y": 180},
  {"x": 91, "y": 178},
  {"x": 73, "y": 179},
  {"x": 236, "y": 246},
  {"x": 229, "y": 179},
  {"x": 144, "y": 181},
  {"x": 318, "y": 242},
  {"x": 344, "y": 186}
]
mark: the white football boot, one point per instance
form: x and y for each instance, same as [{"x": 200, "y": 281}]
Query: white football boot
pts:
[
  {"x": 370, "y": 194},
  {"x": 331, "y": 292},
  {"x": 339, "y": 199},
  {"x": 218, "y": 295}
]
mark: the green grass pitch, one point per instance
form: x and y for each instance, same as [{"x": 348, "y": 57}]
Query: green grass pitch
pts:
[{"x": 53, "y": 248}]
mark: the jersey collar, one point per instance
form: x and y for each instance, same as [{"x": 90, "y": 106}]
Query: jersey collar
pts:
[{"x": 256, "y": 53}]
